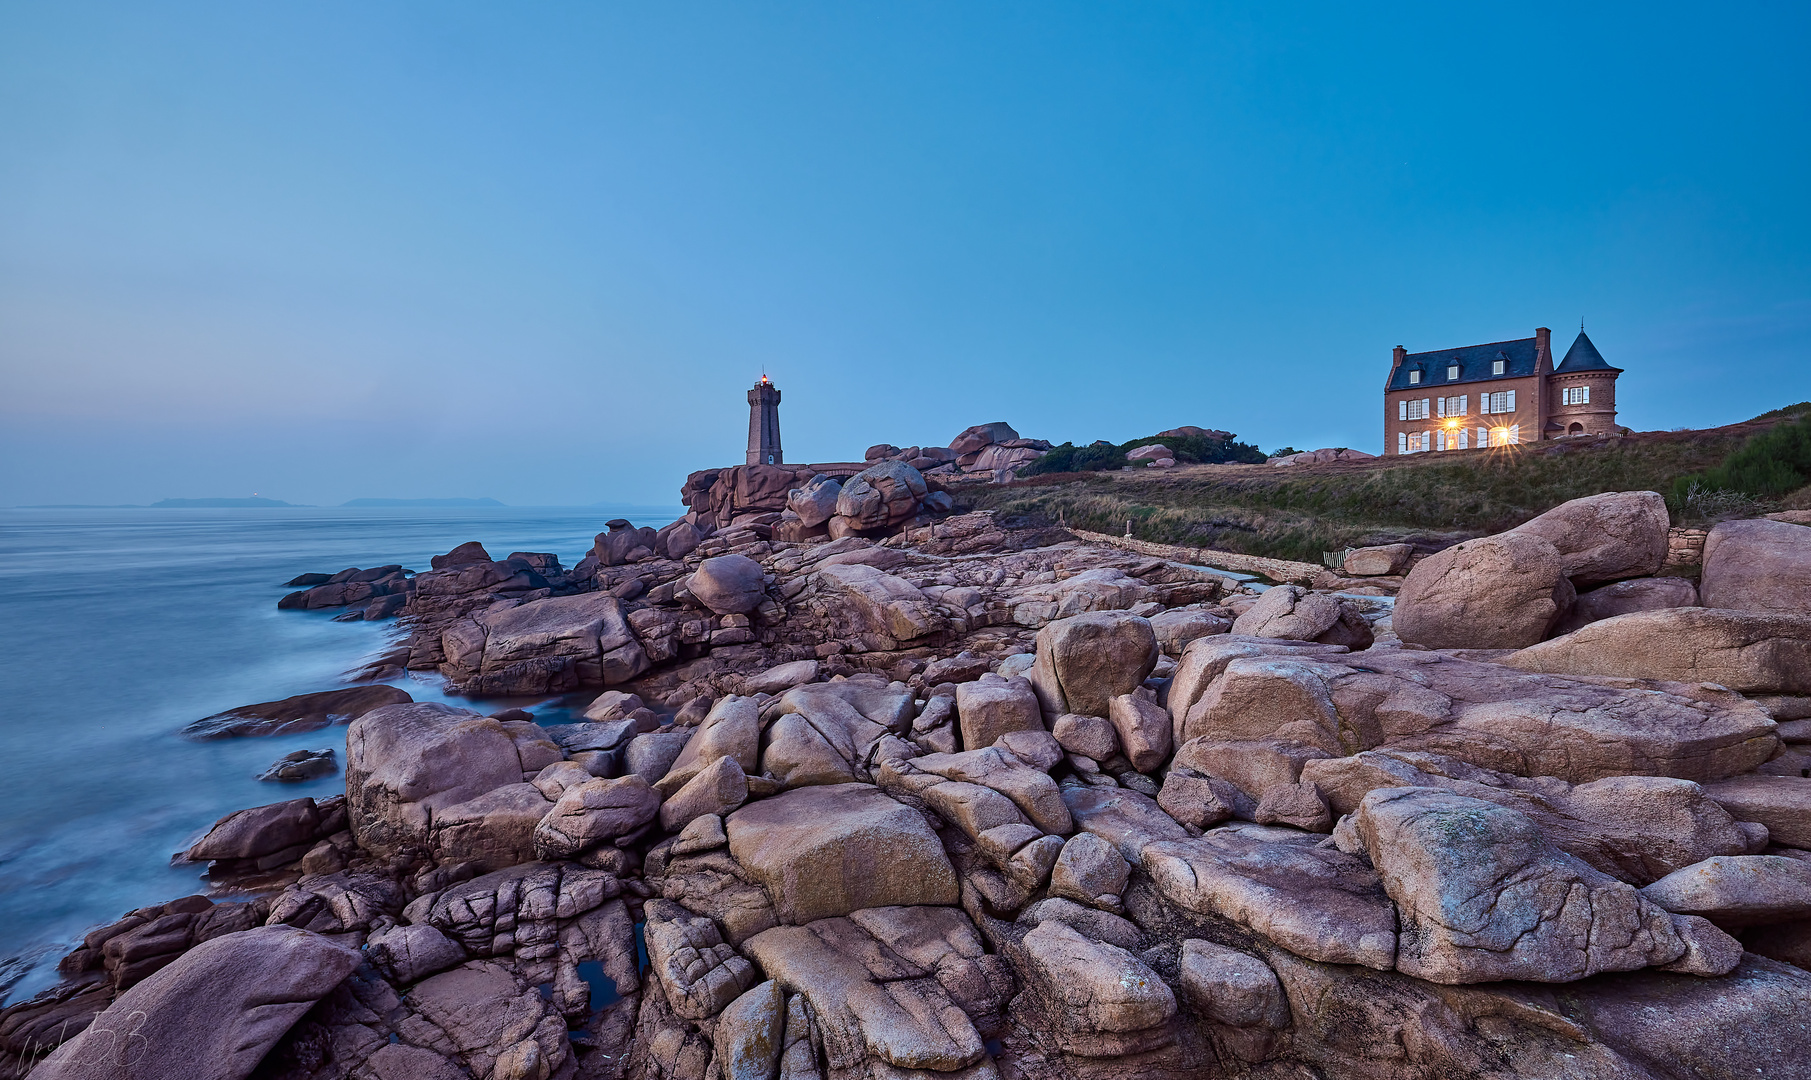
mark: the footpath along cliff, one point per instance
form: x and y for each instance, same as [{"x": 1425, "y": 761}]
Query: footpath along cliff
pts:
[{"x": 874, "y": 789}]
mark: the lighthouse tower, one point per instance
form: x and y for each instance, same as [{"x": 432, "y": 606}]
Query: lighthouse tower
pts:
[{"x": 764, "y": 424}]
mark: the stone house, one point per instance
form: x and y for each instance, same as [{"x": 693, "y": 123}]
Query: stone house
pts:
[{"x": 1499, "y": 394}]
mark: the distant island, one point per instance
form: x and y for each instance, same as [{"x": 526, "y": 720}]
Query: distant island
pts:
[
  {"x": 421, "y": 502},
  {"x": 217, "y": 504}
]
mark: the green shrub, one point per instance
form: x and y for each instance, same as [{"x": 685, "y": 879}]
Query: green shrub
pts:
[
  {"x": 1101, "y": 456},
  {"x": 1768, "y": 466},
  {"x": 1800, "y": 409}
]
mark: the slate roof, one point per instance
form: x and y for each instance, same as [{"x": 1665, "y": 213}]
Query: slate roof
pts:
[
  {"x": 1475, "y": 362},
  {"x": 1583, "y": 356}
]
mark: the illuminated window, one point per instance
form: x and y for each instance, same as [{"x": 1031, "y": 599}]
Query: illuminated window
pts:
[{"x": 1577, "y": 395}]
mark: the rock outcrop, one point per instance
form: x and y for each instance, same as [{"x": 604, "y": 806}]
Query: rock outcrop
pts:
[{"x": 964, "y": 800}]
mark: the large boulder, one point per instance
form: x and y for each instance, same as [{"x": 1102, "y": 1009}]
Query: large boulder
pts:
[
  {"x": 1292, "y": 612},
  {"x": 815, "y": 503},
  {"x": 1750, "y": 652},
  {"x": 880, "y": 495},
  {"x": 1749, "y": 1023},
  {"x": 409, "y": 765},
  {"x": 465, "y": 554},
  {"x": 210, "y": 1015},
  {"x": 728, "y": 584},
  {"x": 1738, "y": 890},
  {"x": 293, "y": 715},
  {"x": 1757, "y": 565},
  {"x": 588, "y": 629},
  {"x": 1782, "y": 803},
  {"x": 1085, "y": 661},
  {"x": 1625, "y": 597},
  {"x": 894, "y": 991},
  {"x": 1143, "y": 730},
  {"x": 992, "y": 706},
  {"x": 1316, "y": 902},
  {"x": 1378, "y": 561},
  {"x": 1127, "y": 819},
  {"x": 1100, "y": 999},
  {"x": 1635, "y": 828},
  {"x": 1089, "y": 870},
  {"x": 881, "y": 603},
  {"x": 827, "y": 851},
  {"x": 273, "y": 834},
  {"x": 1484, "y": 714},
  {"x": 974, "y": 439},
  {"x": 699, "y": 973},
  {"x": 1496, "y": 592},
  {"x": 1179, "y": 626},
  {"x": 731, "y": 729},
  {"x": 823, "y": 733},
  {"x": 1025, "y": 783},
  {"x": 1484, "y": 896},
  {"x": 592, "y": 813},
  {"x": 751, "y": 1034},
  {"x": 496, "y": 829},
  {"x": 1607, "y": 537}
]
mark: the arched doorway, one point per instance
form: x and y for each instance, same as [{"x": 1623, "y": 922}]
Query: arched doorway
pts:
[{"x": 1576, "y": 429}]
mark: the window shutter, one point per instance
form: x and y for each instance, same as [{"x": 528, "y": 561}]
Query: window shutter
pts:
[
  {"x": 1402, "y": 409},
  {"x": 1511, "y": 402},
  {"x": 1462, "y": 409},
  {"x": 1515, "y": 433},
  {"x": 1402, "y": 442},
  {"x": 1483, "y": 436},
  {"x": 1425, "y": 402},
  {"x": 1442, "y": 406}
]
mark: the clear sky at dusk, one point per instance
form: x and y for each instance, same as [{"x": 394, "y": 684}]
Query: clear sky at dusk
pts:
[{"x": 538, "y": 252}]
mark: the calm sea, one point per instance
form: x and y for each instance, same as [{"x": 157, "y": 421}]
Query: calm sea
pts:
[{"x": 118, "y": 627}]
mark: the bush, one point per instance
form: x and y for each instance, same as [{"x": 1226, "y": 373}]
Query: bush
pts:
[
  {"x": 1072, "y": 458},
  {"x": 1103, "y": 456},
  {"x": 1772, "y": 464}
]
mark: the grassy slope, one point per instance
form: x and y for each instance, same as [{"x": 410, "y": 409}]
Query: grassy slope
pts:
[{"x": 1298, "y": 512}]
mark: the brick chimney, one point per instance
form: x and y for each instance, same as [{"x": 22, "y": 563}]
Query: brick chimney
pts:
[
  {"x": 1543, "y": 344},
  {"x": 1397, "y": 356}
]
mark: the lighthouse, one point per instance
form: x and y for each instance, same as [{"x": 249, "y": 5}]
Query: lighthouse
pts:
[{"x": 764, "y": 424}]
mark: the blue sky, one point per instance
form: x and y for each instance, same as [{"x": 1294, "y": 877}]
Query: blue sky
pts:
[{"x": 538, "y": 252}]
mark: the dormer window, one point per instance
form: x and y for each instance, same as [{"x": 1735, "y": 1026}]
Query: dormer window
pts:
[
  {"x": 1452, "y": 372},
  {"x": 1497, "y": 366},
  {"x": 1414, "y": 377}
]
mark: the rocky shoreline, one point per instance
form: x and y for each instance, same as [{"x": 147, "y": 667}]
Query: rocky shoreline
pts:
[{"x": 871, "y": 787}]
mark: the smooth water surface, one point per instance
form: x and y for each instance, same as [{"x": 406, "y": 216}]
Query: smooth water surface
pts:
[{"x": 119, "y": 627}]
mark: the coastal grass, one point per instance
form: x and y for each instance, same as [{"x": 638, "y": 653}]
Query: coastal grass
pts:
[{"x": 1299, "y": 512}]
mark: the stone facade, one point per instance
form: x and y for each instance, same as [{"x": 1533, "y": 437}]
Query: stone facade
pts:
[
  {"x": 764, "y": 424},
  {"x": 1498, "y": 394}
]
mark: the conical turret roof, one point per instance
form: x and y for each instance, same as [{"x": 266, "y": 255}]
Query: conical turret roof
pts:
[{"x": 1583, "y": 356}]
